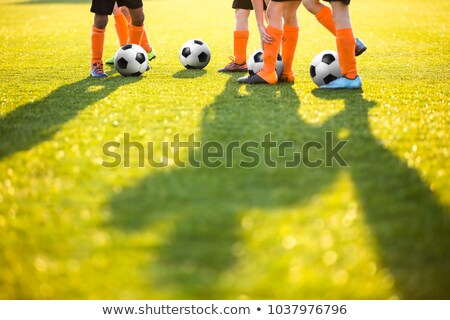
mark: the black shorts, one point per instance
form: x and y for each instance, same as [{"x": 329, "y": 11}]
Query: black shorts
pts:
[
  {"x": 105, "y": 7},
  {"x": 245, "y": 4},
  {"x": 343, "y": 1}
]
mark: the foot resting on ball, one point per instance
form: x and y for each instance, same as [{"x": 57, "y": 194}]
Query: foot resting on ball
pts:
[
  {"x": 360, "y": 47},
  {"x": 344, "y": 83},
  {"x": 253, "y": 79}
]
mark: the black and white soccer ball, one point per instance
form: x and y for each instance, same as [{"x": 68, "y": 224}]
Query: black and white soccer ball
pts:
[
  {"x": 195, "y": 54},
  {"x": 131, "y": 60},
  {"x": 256, "y": 62},
  {"x": 325, "y": 68}
]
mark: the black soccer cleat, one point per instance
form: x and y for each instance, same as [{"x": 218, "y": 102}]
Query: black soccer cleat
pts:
[
  {"x": 253, "y": 79},
  {"x": 360, "y": 47}
]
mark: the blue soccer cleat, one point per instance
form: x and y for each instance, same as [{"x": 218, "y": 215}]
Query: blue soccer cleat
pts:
[
  {"x": 360, "y": 47},
  {"x": 97, "y": 70},
  {"x": 344, "y": 83}
]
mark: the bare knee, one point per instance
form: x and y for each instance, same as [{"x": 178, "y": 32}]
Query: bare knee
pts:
[
  {"x": 290, "y": 18},
  {"x": 137, "y": 16},
  {"x": 100, "y": 21},
  {"x": 312, "y": 6},
  {"x": 341, "y": 20},
  {"x": 290, "y": 13}
]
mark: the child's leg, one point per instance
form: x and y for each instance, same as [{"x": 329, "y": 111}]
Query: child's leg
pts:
[
  {"x": 240, "y": 38},
  {"x": 98, "y": 37},
  {"x": 345, "y": 41},
  {"x": 289, "y": 43},
  {"x": 136, "y": 29},
  {"x": 241, "y": 35},
  {"x": 275, "y": 17},
  {"x": 145, "y": 43},
  {"x": 121, "y": 25},
  {"x": 126, "y": 13},
  {"x": 322, "y": 13}
]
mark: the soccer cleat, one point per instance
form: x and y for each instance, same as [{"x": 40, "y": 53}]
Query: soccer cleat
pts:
[
  {"x": 344, "y": 83},
  {"x": 110, "y": 60},
  {"x": 97, "y": 70},
  {"x": 253, "y": 79},
  {"x": 151, "y": 55},
  {"x": 234, "y": 67},
  {"x": 360, "y": 47}
]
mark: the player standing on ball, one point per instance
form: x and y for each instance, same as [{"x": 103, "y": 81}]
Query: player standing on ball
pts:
[
  {"x": 102, "y": 9},
  {"x": 337, "y": 21},
  {"x": 241, "y": 34},
  {"x": 122, "y": 20},
  {"x": 282, "y": 32}
]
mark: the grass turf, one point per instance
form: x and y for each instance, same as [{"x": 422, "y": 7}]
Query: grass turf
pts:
[{"x": 70, "y": 228}]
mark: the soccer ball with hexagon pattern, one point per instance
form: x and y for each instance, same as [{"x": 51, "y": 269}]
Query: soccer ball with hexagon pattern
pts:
[
  {"x": 131, "y": 60},
  {"x": 256, "y": 62},
  {"x": 195, "y": 54},
  {"x": 325, "y": 68}
]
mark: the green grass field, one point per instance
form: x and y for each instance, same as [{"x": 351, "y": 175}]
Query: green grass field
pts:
[{"x": 72, "y": 229}]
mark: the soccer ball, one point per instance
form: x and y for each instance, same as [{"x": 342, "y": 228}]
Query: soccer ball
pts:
[
  {"x": 256, "y": 63},
  {"x": 195, "y": 54},
  {"x": 131, "y": 60},
  {"x": 325, "y": 68}
]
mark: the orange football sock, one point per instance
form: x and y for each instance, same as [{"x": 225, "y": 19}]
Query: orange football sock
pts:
[
  {"x": 325, "y": 17},
  {"x": 135, "y": 34},
  {"x": 271, "y": 50},
  {"x": 289, "y": 45},
  {"x": 345, "y": 42},
  {"x": 240, "y": 46},
  {"x": 121, "y": 28},
  {"x": 97, "y": 40},
  {"x": 145, "y": 43},
  {"x": 128, "y": 19}
]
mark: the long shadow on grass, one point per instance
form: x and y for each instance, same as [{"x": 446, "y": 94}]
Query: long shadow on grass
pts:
[
  {"x": 35, "y": 122},
  {"x": 189, "y": 73},
  {"x": 199, "y": 208},
  {"x": 196, "y": 212},
  {"x": 411, "y": 227}
]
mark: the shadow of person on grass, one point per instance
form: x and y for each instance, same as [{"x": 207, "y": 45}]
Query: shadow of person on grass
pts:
[
  {"x": 189, "y": 73},
  {"x": 199, "y": 208},
  {"x": 38, "y": 121},
  {"x": 202, "y": 205},
  {"x": 410, "y": 226}
]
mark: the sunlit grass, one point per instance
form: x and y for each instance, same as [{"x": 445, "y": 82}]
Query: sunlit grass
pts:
[{"x": 72, "y": 229}]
